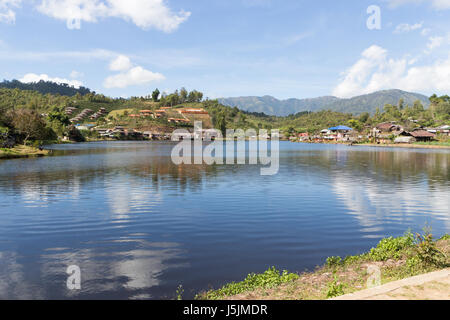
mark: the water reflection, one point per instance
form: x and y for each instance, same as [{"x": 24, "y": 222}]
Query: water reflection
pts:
[
  {"x": 138, "y": 225},
  {"x": 110, "y": 269}
]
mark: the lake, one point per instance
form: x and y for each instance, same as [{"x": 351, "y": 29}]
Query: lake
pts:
[{"x": 139, "y": 226}]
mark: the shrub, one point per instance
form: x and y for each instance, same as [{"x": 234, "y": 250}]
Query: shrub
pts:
[
  {"x": 335, "y": 289},
  {"x": 427, "y": 252},
  {"x": 334, "y": 261},
  {"x": 445, "y": 237},
  {"x": 180, "y": 292},
  {"x": 269, "y": 279},
  {"x": 391, "y": 248}
]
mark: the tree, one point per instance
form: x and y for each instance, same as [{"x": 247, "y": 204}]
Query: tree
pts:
[
  {"x": 221, "y": 123},
  {"x": 364, "y": 117},
  {"x": 418, "y": 107},
  {"x": 173, "y": 99},
  {"x": 155, "y": 95},
  {"x": 183, "y": 95},
  {"x": 355, "y": 124},
  {"x": 195, "y": 96},
  {"x": 29, "y": 124},
  {"x": 58, "y": 121},
  {"x": 401, "y": 104}
]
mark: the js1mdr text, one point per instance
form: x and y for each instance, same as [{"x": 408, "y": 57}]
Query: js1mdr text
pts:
[{"x": 230, "y": 311}]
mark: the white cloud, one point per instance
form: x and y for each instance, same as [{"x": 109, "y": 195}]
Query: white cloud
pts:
[
  {"x": 7, "y": 15},
  {"x": 32, "y": 77},
  {"x": 405, "y": 27},
  {"x": 143, "y": 13},
  {"x": 133, "y": 77},
  {"x": 75, "y": 74},
  {"x": 121, "y": 63},
  {"x": 434, "y": 42},
  {"x": 376, "y": 71},
  {"x": 129, "y": 75},
  {"x": 437, "y": 4}
]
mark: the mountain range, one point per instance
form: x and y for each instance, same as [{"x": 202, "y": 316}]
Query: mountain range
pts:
[{"x": 356, "y": 105}]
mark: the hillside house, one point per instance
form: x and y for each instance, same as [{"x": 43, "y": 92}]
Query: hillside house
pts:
[
  {"x": 422, "y": 135},
  {"x": 384, "y": 132},
  {"x": 146, "y": 113}
]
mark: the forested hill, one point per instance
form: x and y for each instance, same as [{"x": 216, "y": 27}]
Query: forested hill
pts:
[
  {"x": 45, "y": 87},
  {"x": 357, "y": 105}
]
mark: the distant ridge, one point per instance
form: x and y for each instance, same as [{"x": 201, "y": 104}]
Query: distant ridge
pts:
[
  {"x": 356, "y": 105},
  {"x": 45, "y": 87}
]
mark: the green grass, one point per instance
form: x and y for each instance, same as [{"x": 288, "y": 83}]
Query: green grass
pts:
[
  {"x": 21, "y": 152},
  {"x": 434, "y": 143},
  {"x": 445, "y": 237},
  {"x": 391, "y": 248},
  {"x": 269, "y": 279}
]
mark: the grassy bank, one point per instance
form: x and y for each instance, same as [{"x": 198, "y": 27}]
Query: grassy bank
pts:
[
  {"x": 22, "y": 152},
  {"x": 397, "y": 258},
  {"x": 417, "y": 145},
  {"x": 434, "y": 143}
]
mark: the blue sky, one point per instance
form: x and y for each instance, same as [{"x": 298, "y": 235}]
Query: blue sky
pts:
[{"x": 287, "y": 49}]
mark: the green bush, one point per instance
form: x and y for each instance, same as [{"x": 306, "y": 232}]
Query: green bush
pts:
[
  {"x": 334, "y": 261},
  {"x": 180, "y": 292},
  {"x": 390, "y": 248},
  {"x": 267, "y": 280},
  {"x": 335, "y": 289},
  {"x": 427, "y": 252},
  {"x": 445, "y": 237}
]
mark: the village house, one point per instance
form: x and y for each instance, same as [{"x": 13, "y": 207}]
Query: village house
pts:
[
  {"x": 86, "y": 127},
  {"x": 303, "y": 136},
  {"x": 147, "y": 134},
  {"x": 444, "y": 130},
  {"x": 175, "y": 120},
  {"x": 178, "y": 136},
  {"x": 384, "y": 132},
  {"x": 422, "y": 135},
  {"x": 404, "y": 139},
  {"x": 146, "y": 113},
  {"x": 85, "y": 113},
  {"x": 339, "y": 133},
  {"x": 100, "y": 113}
]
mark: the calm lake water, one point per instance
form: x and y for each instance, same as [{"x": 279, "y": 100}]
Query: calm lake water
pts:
[{"x": 138, "y": 226}]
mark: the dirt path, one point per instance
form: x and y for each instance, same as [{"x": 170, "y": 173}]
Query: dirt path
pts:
[{"x": 431, "y": 286}]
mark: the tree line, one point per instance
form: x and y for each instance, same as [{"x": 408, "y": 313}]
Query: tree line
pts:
[{"x": 46, "y": 87}]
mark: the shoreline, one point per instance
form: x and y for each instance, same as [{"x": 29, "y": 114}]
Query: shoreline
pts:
[
  {"x": 22, "y": 151},
  {"x": 395, "y": 258},
  {"x": 400, "y": 145},
  {"x": 403, "y": 145}
]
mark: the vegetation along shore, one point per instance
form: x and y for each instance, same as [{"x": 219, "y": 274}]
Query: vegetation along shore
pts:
[
  {"x": 22, "y": 151},
  {"x": 396, "y": 258},
  {"x": 44, "y": 112}
]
